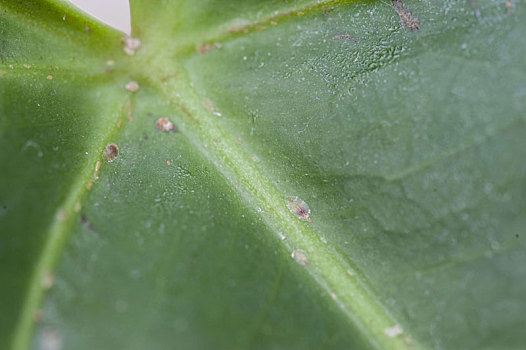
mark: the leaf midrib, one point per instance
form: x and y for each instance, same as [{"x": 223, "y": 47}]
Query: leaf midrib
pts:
[{"x": 326, "y": 266}]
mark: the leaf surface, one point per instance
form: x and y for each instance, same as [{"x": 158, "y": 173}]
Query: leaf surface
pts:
[{"x": 406, "y": 146}]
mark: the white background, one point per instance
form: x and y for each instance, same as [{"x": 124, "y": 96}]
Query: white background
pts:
[{"x": 113, "y": 12}]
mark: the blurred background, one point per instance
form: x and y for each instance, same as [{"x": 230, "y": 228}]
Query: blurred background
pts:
[{"x": 113, "y": 12}]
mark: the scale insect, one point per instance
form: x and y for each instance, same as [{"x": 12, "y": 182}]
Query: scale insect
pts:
[{"x": 299, "y": 208}]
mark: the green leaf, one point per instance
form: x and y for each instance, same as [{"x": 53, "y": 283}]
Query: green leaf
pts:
[{"x": 343, "y": 175}]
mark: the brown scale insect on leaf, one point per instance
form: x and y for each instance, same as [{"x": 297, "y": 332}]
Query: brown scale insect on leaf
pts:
[
  {"x": 164, "y": 124},
  {"x": 110, "y": 152},
  {"x": 300, "y": 257},
  {"x": 204, "y": 48},
  {"x": 132, "y": 86},
  {"x": 406, "y": 17},
  {"x": 342, "y": 36},
  {"x": 299, "y": 208}
]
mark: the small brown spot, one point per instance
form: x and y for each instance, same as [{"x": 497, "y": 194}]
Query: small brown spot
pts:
[
  {"x": 163, "y": 124},
  {"x": 168, "y": 76},
  {"x": 476, "y": 8},
  {"x": 88, "y": 29},
  {"x": 300, "y": 257},
  {"x": 49, "y": 77},
  {"x": 342, "y": 36},
  {"x": 508, "y": 4},
  {"x": 239, "y": 28},
  {"x": 204, "y": 48},
  {"x": 168, "y": 162},
  {"x": 406, "y": 17},
  {"x": 299, "y": 208},
  {"x": 326, "y": 9},
  {"x": 89, "y": 185},
  {"x": 110, "y": 152},
  {"x": 132, "y": 86}
]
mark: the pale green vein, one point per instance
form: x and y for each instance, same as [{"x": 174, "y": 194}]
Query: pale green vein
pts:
[
  {"x": 271, "y": 20},
  {"x": 159, "y": 21},
  {"x": 58, "y": 233}
]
